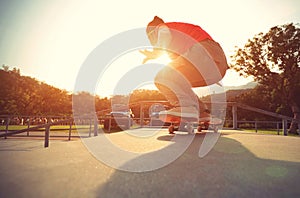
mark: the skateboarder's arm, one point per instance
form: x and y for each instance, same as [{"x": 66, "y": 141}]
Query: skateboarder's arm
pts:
[
  {"x": 164, "y": 37},
  {"x": 163, "y": 41},
  {"x": 151, "y": 54}
]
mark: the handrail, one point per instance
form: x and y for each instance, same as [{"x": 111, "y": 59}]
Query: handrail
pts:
[
  {"x": 92, "y": 116},
  {"x": 47, "y": 128},
  {"x": 276, "y": 115},
  {"x": 36, "y": 127}
]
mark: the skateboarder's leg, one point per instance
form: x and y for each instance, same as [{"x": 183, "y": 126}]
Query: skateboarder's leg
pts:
[
  {"x": 203, "y": 111},
  {"x": 199, "y": 65},
  {"x": 178, "y": 91},
  {"x": 203, "y": 64}
]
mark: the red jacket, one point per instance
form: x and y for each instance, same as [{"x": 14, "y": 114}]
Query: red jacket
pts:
[{"x": 185, "y": 35}]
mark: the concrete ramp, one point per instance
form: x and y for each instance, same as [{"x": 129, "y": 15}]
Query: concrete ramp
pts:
[{"x": 239, "y": 165}]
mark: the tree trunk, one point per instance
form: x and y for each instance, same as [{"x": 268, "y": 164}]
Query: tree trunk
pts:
[{"x": 296, "y": 121}]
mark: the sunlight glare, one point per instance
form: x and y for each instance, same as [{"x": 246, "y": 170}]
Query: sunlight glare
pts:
[{"x": 163, "y": 59}]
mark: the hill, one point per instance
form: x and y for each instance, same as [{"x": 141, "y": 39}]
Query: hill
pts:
[
  {"x": 233, "y": 91},
  {"x": 249, "y": 85}
]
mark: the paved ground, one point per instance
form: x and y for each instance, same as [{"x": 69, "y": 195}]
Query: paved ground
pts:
[{"x": 239, "y": 165}]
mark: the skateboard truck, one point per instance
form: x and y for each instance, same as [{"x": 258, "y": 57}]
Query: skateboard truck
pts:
[{"x": 190, "y": 126}]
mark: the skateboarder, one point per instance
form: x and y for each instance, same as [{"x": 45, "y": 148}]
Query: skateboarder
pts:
[{"x": 197, "y": 60}]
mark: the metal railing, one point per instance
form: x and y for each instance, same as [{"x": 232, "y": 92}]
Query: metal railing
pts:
[
  {"x": 46, "y": 126},
  {"x": 285, "y": 119},
  {"x": 95, "y": 120}
]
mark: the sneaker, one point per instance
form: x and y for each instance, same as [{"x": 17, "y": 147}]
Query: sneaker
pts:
[
  {"x": 183, "y": 112},
  {"x": 205, "y": 117}
]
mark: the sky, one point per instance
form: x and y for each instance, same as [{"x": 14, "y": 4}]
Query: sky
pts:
[{"x": 50, "y": 39}]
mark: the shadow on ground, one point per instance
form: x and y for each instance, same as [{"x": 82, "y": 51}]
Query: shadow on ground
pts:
[{"x": 229, "y": 170}]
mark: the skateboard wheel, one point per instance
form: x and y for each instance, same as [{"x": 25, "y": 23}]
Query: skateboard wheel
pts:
[
  {"x": 215, "y": 129},
  {"x": 171, "y": 129},
  {"x": 199, "y": 128},
  {"x": 182, "y": 127},
  {"x": 190, "y": 128}
]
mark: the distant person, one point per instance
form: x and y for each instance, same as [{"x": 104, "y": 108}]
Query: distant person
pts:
[{"x": 197, "y": 61}]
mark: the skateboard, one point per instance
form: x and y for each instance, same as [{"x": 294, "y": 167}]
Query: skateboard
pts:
[{"x": 189, "y": 124}]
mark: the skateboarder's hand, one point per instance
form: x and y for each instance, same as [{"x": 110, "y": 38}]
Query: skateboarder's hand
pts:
[{"x": 150, "y": 55}]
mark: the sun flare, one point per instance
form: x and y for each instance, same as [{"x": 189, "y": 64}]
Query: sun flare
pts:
[{"x": 163, "y": 59}]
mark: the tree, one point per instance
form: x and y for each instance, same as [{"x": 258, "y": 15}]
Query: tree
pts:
[
  {"x": 274, "y": 62},
  {"x": 139, "y": 95},
  {"x": 83, "y": 103},
  {"x": 23, "y": 95}
]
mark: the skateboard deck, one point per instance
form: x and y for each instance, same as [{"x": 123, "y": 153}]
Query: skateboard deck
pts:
[
  {"x": 188, "y": 124},
  {"x": 176, "y": 119}
]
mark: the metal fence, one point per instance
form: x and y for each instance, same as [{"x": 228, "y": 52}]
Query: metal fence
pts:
[{"x": 43, "y": 123}]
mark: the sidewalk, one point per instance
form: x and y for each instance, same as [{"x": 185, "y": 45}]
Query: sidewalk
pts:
[{"x": 239, "y": 165}]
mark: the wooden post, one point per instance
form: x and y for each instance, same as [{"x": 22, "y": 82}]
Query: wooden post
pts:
[
  {"x": 28, "y": 126},
  {"x": 109, "y": 124},
  {"x": 6, "y": 128},
  {"x": 234, "y": 116},
  {"x": 129, "y": 122},
  {"x": 47, "y": 134},
  {"x": 142, "y": 114},
  {"x": 70, "y": 130},
  {"x": 95, "y": 126},
  {"x": 284, "y": 127},
  {"x": 255, "y": 124},
  {"x": 277, "y": 125},
  {"x": 90, "y": 131}
]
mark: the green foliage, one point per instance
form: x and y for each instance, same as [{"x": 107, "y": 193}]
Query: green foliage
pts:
[
  {"x": 259, "y": 97},
  {"x": 273, "y": 60},
  {"x": 269, "y": 57},
  {"x": 145, "y": 95},
  {"x": 140, "y": 95},
  {"x": 135, "y": 98},
  {"x": 22, "y": 95},
  {"x": 85, "y": 103}
]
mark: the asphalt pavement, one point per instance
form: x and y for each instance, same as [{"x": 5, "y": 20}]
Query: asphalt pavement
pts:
[{"x": 239, "y": 165}]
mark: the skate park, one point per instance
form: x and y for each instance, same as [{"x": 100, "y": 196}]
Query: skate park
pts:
[
  {"x": 240, "y": 164},
  {"x": 56, "y": 54}
]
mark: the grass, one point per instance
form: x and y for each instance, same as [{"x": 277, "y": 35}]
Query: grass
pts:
[
  {"x": 268, "y": 132},
  {"x": 60, "y": 129},
  {"x": 12, "y": 127},
  {"x": 54, "y": 130},
  {"x": 55, "y": 127},
  {"x": 86, "y": 128},
  {"x": 265, "y": 131}
]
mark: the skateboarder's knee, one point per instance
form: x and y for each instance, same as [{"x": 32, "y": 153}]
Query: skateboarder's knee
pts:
[{"x": 164, "y": 76}]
